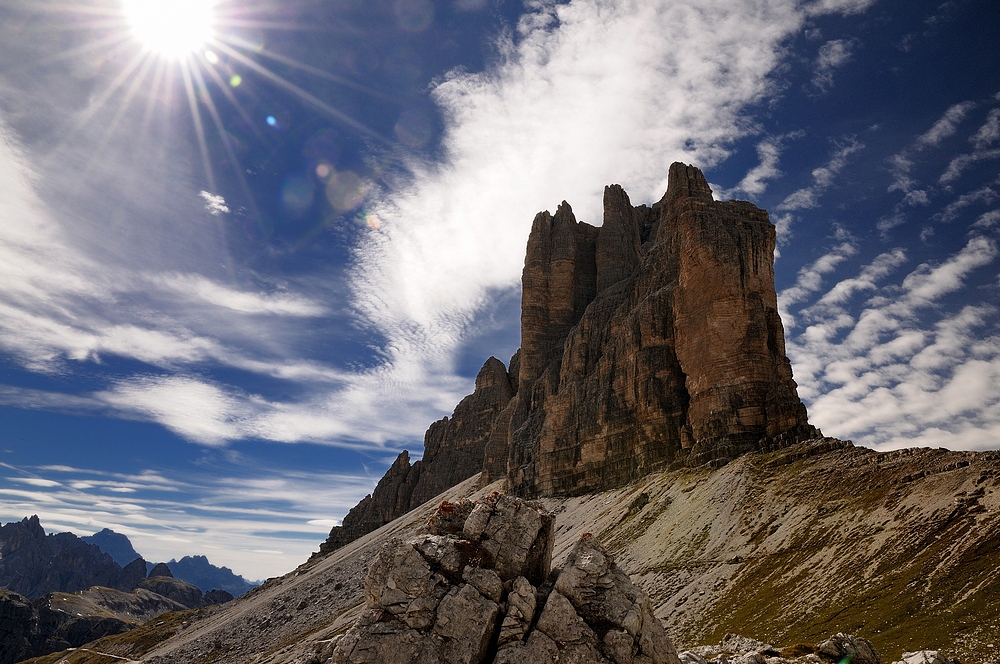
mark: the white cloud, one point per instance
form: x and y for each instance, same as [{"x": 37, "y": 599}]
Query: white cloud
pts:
[
  {"x": 193, "y": 409},
  {"x": 838, "y": 6},
  {"x": 823, "y": 177},
  {"x": 988, "y": 219},
  {"x": 866, "y": 280},
  {"x": 916, "y": 197},
  {"x": 982, "y": 195},
  {"x": 810, "y": 280},
  {"x": 755, "y": 182},
  {"x": 214, "y": 203},
  {"x": 832, "y": 55},
  {"x": 901, "y": 164},
  {"x": 959, "y": 164},
  {"x": 888, "y": 378},
  {"x": 198, "y": 287},
  {"x": 946, "y": 125},
  {"x": 989, "y": 132},
  {"x": 928, "y": 283}
]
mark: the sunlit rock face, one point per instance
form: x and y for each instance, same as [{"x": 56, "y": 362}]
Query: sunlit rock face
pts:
[
  {"x": 650, "y": 340},
  {"x": 653, "y": 340}
]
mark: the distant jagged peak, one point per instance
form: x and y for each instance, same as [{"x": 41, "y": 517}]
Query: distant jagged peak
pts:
[
  {"x": 116, "y": 545},
  {"x": 160, "y": 569}
]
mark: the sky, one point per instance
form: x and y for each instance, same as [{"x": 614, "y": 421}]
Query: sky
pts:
[{"x": 250, "y": 250}]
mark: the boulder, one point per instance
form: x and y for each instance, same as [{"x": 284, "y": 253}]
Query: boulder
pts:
[
  {"x": 858, "y": 649},
  {"x": 925, "y": 657},
  {"x": 468, "y": 589}
]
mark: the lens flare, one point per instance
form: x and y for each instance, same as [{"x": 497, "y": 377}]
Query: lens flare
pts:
[{"x": 172, "y": 28}]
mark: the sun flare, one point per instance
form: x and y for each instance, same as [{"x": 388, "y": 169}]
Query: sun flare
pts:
[{"x": 172, "y": 28}]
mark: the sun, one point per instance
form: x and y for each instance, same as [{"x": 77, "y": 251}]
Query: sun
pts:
[{"x": 171, "y": 28}]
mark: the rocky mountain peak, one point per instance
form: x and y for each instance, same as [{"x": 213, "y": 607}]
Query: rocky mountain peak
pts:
[
  {"x": 160, "y": 569},
  {"x": 652, "y": 341},
  {"x": 684, "y": 181}
]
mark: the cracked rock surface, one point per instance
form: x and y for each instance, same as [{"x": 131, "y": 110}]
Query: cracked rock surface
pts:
[{"x": 475, "y": 586}]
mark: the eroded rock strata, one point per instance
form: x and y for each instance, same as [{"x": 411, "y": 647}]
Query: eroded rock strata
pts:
[{"x": 653, "y": 340}]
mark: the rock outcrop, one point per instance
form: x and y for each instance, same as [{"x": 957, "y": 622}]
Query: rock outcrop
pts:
[
  {"x": 453, "y": 451},
  {"x": 182, "y": 592},
  {"x": 649, "y": 342},
  {"x": 18, "y": 626},
  {"x": 475, "y": 587}
]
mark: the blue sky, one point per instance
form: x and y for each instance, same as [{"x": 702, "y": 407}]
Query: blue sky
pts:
[{"x": 239, "y": 280}]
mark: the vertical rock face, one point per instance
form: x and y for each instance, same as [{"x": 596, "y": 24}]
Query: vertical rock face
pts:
[
  {"x": 454, "y": 448},
  {"x": 678, "y": 356},
  {"x": 652, "y": 340}
]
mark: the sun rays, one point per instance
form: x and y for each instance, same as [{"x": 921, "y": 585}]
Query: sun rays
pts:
[
  {"x": 172, "y": 28},
  {"x": 194, "y": 57}
]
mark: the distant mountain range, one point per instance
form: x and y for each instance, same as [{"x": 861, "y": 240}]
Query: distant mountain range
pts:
[
  {"x": 34, "y": 564},
  {"x": 196, "y": 570},
  {"x": 60, "y": 591},
  {"x": 114, "y": 544}
]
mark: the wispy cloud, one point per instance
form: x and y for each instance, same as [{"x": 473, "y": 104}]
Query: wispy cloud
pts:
[
  {"x": 808, "y": 197},
  {"x": 985, "y": 195},
  {"x": 988, "y": 133},
  {"x": 823, "y": 178},
  {"x": 902, "y": 164},
  {"x": 756, "y": 181},
  {"x": 832, "y": 54},
  {"x": 946, "y": 125},
  {"x": 889, "y": 378},
  {"x": 810, "y": 280},
  {"x": 962, "y": 162}
]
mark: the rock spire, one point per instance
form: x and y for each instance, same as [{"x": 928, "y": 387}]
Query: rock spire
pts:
[{"x": 651, "y": 341}]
